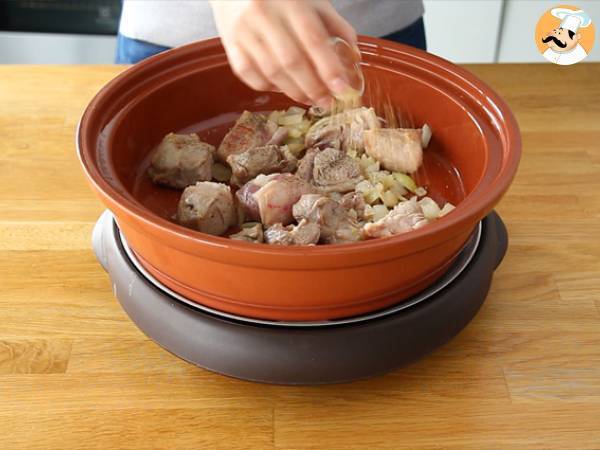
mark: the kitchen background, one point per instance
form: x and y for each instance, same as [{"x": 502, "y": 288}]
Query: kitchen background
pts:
[{"x": 463, "y": 31}]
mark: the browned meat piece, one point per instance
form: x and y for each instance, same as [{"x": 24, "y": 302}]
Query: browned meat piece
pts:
[
  {"x": 343, "y": 130},
  {"x": 260, "y": 160},
  {"x": 335, "y": 222},
  {"x": 181, "y": 160},
  {"x": 250, "y": 130},
  {"x": 397, "y": 149},
  {"x": 245, "y": 196},
  {"x": 406, "y": 216},
  {"x": 335, "y": 171},
  {"x": 306, "y": 164},
  {"x": 355, "y": 201},
  {"x": 279, "y": 136},
  {"x": 276, "y": 198},
  {"x": 252, "y": 233},
  {"x": 207, "y": 207},
  {"x": 305, "y": 233}
]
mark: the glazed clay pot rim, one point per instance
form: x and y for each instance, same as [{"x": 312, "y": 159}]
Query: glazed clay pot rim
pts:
[{"x": 474, "y": 206}]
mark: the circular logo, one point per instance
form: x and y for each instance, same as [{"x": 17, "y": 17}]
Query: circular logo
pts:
[{"x": 565, "y": 35}]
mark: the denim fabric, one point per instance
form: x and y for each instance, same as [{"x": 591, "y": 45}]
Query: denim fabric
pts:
[
  {"x": 413, "y": 35},
  {"x": 131, "y": 51}
]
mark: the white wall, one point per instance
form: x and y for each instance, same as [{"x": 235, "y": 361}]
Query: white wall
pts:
[
  {"x": 463, "y": 30},
  {"x": 50, "y": 48}
]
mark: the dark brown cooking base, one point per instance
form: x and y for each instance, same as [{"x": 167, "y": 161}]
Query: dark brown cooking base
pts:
[{"x": 302, "y": 355}]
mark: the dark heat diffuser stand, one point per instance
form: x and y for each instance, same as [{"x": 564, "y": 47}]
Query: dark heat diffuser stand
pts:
[{"x": 304, "y": 353}]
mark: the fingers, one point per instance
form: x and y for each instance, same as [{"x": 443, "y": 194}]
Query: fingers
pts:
[
  {"x": 246, "y": 70},
  {"x": 270, "y": 66},
  {"x": 272, "y": 47},
  {"x": 314, "y": 38},
  {"x": 293, "y": 65}
]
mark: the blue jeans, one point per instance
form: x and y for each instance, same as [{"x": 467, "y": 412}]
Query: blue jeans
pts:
[
  {"x": 413, "y": 35},
  {"x": 131, "y": 51}
]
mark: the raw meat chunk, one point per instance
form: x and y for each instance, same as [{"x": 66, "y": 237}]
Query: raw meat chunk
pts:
[
  {"x": 305, "y": 233},
  {"x": 397, "y": 149},
  {"x": 250, "y": 130},
  {"x": 260, "y": 160},
  {"x": 406, "y": 216},
  {"x": 334, "y": 170},
  {"x": 181, "y": 160},
  {"x": 276, "y": 198},
  {"x": 207, "y": 207}
]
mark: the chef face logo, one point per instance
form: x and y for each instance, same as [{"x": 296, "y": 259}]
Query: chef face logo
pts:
[{"x": 565, "y": 35}]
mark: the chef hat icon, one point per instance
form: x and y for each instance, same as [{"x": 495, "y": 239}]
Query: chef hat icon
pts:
[{"x": 572, "y": 20}]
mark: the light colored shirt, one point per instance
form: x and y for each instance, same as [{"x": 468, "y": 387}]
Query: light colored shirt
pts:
[
  {"x": 573, "y": 56},
  {"x": 171, "y": 23}
]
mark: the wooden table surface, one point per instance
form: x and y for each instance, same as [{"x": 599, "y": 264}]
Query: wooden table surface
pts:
[{"x": 76, "y": 373}]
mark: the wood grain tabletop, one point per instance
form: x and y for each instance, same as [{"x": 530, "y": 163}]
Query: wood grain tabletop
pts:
[{"x": 76, "y": 373}]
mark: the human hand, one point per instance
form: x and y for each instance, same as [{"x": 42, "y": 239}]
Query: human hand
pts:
[{"x": 285, "y": 46}]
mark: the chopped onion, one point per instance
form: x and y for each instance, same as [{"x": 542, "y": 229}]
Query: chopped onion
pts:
[
  {"x": 295, "y": 146},
  {"x": 406, "y": 181},
  {"x": 293, "y": 119},
  {"x": 304, "y": 125},
  {"x": 363, "y": 186},
  {"x": 221, "y": 173},
  {"x": 389, "y": 199},
  {"x": 430, "y": 208},
  {"x": 425, "y": 135},
  {"x": 421, "y": 191},
  {"x": 446, "y": 209},
  {"x": 293, "y": 110},
  {"x": 371, "y": 196},
  {"x": 275, "y": 115},
  {"x": 368, "y": 212},
  {"x": 294, "y": 132},
  {"x": 387, "y": 180},
  {"x": 398, "y": 189},
  {"x": 379, "y": 212}
]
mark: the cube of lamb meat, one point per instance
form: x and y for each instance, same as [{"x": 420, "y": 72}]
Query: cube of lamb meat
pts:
[
  {"x": 207, "y": 207},
  {"x": 306, "y": 164},
  {"x": 406, "y": 216},
  {"x": 335, "y": 222},
  {"x": 252, "y": 233},
  {"x": 250, "y": 130},
  {"x": 397, "y": 149},
  {"x": 245, "y": 196},
  {"x": 335, "y": 171},
  {"x": 260, "y": 160},
  {"x": 181, "y": 160},
  {"x": 305, "y": 233},
  {"x": 343, "y": 130},
  {"x": 276, "y": 198}
]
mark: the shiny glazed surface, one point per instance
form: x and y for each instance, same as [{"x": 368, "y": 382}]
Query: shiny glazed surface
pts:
[{"x": 474, "y": 153}]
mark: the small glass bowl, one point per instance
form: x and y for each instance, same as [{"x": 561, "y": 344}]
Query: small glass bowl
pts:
[{"x": 351, "y": 61}]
